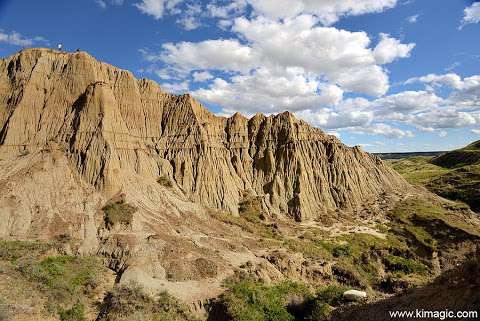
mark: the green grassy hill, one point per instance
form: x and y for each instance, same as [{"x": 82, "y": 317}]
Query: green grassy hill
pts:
[
  {"x": 454, "y": 175},
  {"x": 461, "y": 184},
  {"x": 418, "y": 170},
  {"x": 469, "y": 155}
]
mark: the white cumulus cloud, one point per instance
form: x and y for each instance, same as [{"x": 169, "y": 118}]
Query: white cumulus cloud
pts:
[
  {"x": 177, "y": 88},
  {"x": 396, "y": 105},
  {"x": 202, "y": 76},
  {"x": 451, "y": 80},
  {"x": 157, "y": 8},
  {"x": 337, "y": 118},
  {"x": 223, "y": 54},
  {"x": 443, "y": 118},
  {"x": 471, "y": 14},
  {"x": 382, "y": 129},
  {"x": 330, "y": 55},
  {"x": 16, "y": 39},
  {"x": 262, "y": 91},
  {"x": 371, "y": 80},
  {"x": 389, "y": 49},
  {"x": 328, "y": 11}
]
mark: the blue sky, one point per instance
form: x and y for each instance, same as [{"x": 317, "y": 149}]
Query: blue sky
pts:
[{"x": 391, "y": 75}]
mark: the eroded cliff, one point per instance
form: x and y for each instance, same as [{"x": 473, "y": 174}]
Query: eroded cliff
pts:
[{"x": 112, "y": 126}]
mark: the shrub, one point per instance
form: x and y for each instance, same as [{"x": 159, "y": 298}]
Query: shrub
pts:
[
  {"x": 310, "y": 249},
  {"x": 249, "y": 224},
  {"x": 348, "y": 273},
  {"x": 318, "y": 311},
  {"x": 319, "y": 307},
  {"x": 75, "y": 313},
  {"x": 252, "y": 301},
  {"x": 342, "y": 250},
  {"x": 165, "y": 181},
  {"x": 130, "y": 302},
  {"x": 24, "y": 152},
  {"x": 331, "y": 294},
  {"x": 118, "y": 213},
  {"x": 250, "y": 208},
  {"x": 59, "y": 281},
  {"x": 63, "y": 277},
  {"x": 420, "y": 213},
  {"x": 403, "y": 265},
  {"x": 14, "y": 250}
]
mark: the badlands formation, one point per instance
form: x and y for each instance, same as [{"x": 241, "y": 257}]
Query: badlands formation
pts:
[
  {"x": 153, "y": 182},
  {"x": 76, "y": 133},
  {"x": 117, "y": 131}
]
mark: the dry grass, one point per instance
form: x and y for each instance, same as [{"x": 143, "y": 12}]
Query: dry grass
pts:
[
  {"x": 132, "y": 303},
  {"x": 40, "y": 284}
]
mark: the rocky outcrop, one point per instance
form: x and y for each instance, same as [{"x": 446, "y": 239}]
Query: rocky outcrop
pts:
[{"x": 115, "y": 130}]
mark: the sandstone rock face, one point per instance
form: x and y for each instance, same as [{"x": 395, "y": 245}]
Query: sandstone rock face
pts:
[{"x": 112, "y": 129}]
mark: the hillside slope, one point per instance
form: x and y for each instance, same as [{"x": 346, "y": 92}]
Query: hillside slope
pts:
[
  {"x": 469, "y": 155},
  {"x": 455, "y": 290},
  {"x": 454, "y": 175}
]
